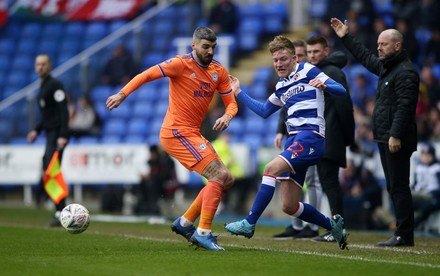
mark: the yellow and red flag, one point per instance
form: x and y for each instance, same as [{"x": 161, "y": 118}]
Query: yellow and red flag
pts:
[{"x": 54, "y": 183}]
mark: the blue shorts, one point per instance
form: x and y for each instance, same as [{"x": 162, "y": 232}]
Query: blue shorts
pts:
[{"x": 302, "y": 150}]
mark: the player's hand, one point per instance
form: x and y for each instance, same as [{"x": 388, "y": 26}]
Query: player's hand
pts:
[
  {"x": 341, "y": 29},
  {"x": 115, "y": 100},
  {"x": 394, "y": 144},
  {"x": 61, "y": 142},
  {"x": 222, "y": 123},
  {"x": 32, "y": 135},
  {"x": 318, "y": 84},
  {"x": 277, "y": 140},
  {"x": 235, "y": 84}
]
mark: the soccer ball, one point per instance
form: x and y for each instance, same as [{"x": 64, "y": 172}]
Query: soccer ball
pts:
[{"x": 75, "y": 218}]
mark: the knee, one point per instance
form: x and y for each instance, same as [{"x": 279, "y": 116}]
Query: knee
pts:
[
  {"x": 227, "y": 179},
  {"x": 269, "y": 169},
  {"x": 289, "y": 208}
]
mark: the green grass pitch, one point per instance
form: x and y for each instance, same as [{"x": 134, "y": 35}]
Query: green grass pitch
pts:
[{"x": 29, "y": 247}]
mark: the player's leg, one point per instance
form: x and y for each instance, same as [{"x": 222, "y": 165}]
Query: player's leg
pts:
[{"x": 246, "y": 227}]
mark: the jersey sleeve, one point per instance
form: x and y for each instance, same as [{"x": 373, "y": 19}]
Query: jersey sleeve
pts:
[{"x": 151, "y": 74}]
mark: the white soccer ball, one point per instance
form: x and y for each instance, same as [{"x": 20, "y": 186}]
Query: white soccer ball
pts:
[{"x": 75, "y": 218}]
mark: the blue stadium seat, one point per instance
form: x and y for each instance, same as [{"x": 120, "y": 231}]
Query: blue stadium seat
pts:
[
  {"x": 74, "y": 29},
  {"x": 23, "y": 63},
  {"x": 317, "y": 8},
  {"x": 114, "y": 126},
  {"x": 53, "y": 30},
  {"x": 248, "y": 41},
  {"x": 151, "y": 59},
  {"x": 12, "y": 30},
  {"x": 111, "y": 139},
  {"x": 251, "y": 10},
  {"x": 6, "y": 128},
  {"x": 263, "y": 75},
  {"x": 101, "y": 92},
  {"x": 123, "y": 111},
  {"x": 255, "y": 126},
  {"x": 135, "y": 139},
  {"x": 7, "y": 46},
  {"x": 17, "y": 79},
  {"x": 161, "y": 44},
  {"x": 31, "y": 29},
  {"x": 138, "y": 127},
  {"x": 251, "y": 25},
  {"x": 18, "y": 141},
  {"x": 236, "y": 126},
  {"x": 96, "y": 29},
  {"x": 143, "y": 110},
  {"x": 5, "y": 61},
  {"x": 102, "y": 110},
  {"x": 161, "y": 108},
  {"x": 116, "y": 25},
  {"x": 164, "y": 27},
  {"x": 88, "y": 140},
  {"x": 49, "y": 47},
  {"x": 155, "y": 126},
  {"x": 27, "y": 47}
]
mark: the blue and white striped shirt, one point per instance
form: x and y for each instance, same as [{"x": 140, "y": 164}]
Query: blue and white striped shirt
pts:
[{"x": 304, "y": 103}]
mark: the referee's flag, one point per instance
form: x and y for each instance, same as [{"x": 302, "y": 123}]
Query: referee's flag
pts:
[{"x": 54, "y": 183}]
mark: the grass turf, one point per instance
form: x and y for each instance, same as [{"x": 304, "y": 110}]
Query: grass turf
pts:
[{"x": 29, "y": 247}]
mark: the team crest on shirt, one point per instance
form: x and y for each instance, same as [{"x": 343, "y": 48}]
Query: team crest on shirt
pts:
[
  {"x": 296, "y": 76},
  {"x": 168, "y": 61},
  {"x": 215, "y": 77},
  {"x": 202, "y": 146}
]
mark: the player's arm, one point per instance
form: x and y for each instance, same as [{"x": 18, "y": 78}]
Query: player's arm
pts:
[
  {"x": 230, "y": 112},
  {"x": 151, "y": 74}
]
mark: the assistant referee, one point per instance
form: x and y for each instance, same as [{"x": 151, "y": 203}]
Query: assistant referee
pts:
[{"x": 52, "y": 102}]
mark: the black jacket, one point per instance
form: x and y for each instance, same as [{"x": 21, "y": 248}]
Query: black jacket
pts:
[
  {"x": 396, "y": 96},
  {"x": 338, "y": 113},
  {"x": 52, "y": 102}
]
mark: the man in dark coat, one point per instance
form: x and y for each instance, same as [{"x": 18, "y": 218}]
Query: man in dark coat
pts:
[{"x": 394, "y": 125}]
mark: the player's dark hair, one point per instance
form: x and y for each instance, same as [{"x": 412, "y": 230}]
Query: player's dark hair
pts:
[{"x": 204, "y": 33}]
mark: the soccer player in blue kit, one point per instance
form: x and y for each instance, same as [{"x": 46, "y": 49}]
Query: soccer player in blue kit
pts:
[{"x": 300, "y": 90}]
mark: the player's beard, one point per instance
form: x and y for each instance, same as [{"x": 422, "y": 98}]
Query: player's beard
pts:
[{"x": 204, "y": 60}]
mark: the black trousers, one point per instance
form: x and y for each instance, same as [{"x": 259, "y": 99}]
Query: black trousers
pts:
[
  {"x": 328, "y": 172},
  {"x": 51, "y": 146},
  {"x": 396, "y": 167}
]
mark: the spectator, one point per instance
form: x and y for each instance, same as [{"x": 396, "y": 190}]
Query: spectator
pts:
[
  {"x": 160, "y": 182},
  {"x": 362, "y": 90},
  {"x": 362, "y": 192},
  {"x": 120, "y": 68},
  {"x": 223, "y": 17},
  {"x": 426, "y": 187},
  {"x": 432, "y": 51},
  {"x": 84, "y": 120}
]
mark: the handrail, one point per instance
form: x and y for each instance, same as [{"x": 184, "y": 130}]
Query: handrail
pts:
[{"x": 83, "y": 56}]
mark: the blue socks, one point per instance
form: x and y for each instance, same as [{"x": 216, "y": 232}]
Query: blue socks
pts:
[
  {"x": 263, "y": 198},
  {"x": 308, "y": 213}
]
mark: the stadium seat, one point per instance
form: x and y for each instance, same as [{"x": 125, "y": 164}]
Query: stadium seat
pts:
[
  {"x": 138, "y": 127},
  {"x": 53, "y": 30},
  {"x": 111, "y": 139},
  {"x": 151, "y": 59},
  {"x": 143, "y": 110},
  {"x": 27, "y": 47},
  {"x": 123, "y": 111},
  {"x": 96, "y": 29},
  {"x": 255, "y": 126},
  {"x": 248, "y": 41},
  {"x": 7, "y": 46},
  {"x": 31, "y": 30},
  {"x": 17, "y": 79},
  {"x": 74, "y": 30},
  {"x": 236, "y": 127},
  {"x": 251, "y": 10},
  {"x": 18, "y": 141},
  {"x": 87, "y": 140},
  {"x": 6, "y": 128},
  {"x": 5, "y": 61},
  {"x": 23, "y": 63},
  {"x": 135, "y": 139},
  {"x": 114, "y": 126},
  {"x": 49, "y": 47},
  {"x": 116, "y": 25},
  {"x": 101, "y": 92}
]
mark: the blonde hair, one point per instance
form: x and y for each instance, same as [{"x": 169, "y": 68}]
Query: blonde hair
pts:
[{"x": 281, "y": 42}]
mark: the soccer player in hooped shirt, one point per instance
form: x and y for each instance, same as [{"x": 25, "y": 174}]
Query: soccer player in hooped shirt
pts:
[
  {"x": 300, "y": 90},
  {"x": 194, "y": 79}
]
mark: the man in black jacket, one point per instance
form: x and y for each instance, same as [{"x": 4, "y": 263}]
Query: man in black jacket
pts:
[
  {"x": 54, "y": 119},
  {"x": 394, "y": 126},
  {"x": 339, "y": 133}
]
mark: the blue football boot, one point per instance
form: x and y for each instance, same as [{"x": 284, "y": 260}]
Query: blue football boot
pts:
[
  {"x": 241, "y": 227},
  {"x": 338, "y": 231},
  {"x": 208, "y": 242},
  {"x": 185, "y": 232}
]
